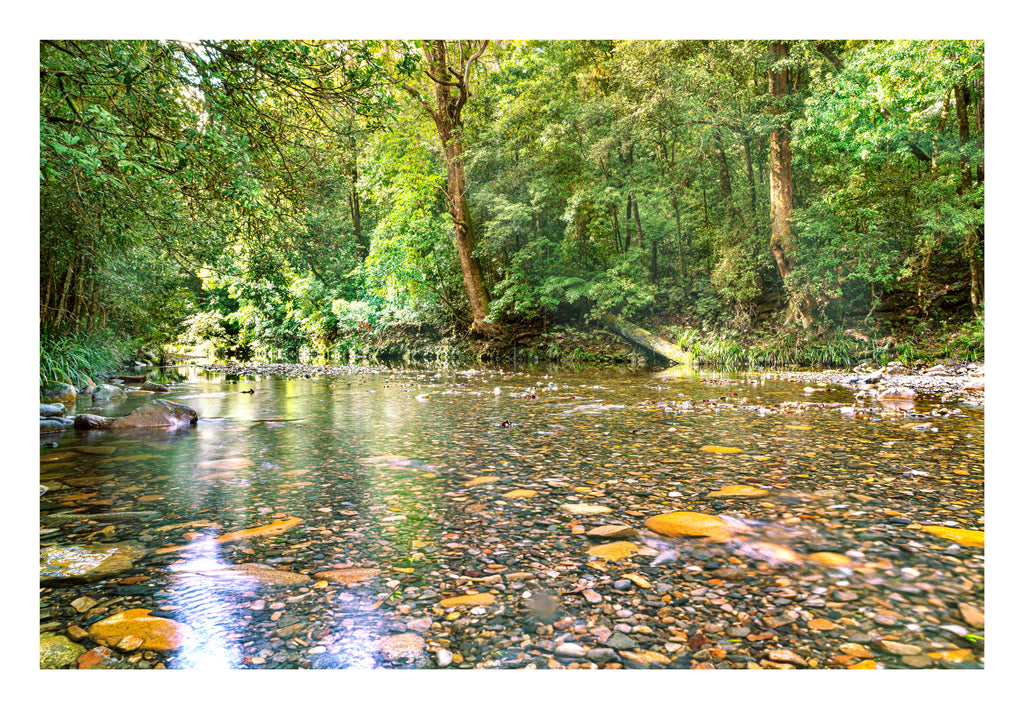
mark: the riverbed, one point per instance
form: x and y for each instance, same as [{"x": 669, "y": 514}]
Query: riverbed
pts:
[{"x": 484, "y": 518}]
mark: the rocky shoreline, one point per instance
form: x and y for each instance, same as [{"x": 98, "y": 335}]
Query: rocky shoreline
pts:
[{"x": 967, "y": 381}]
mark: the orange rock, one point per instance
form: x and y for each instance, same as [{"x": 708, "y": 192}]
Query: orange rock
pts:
[
  {"x": 99, "y": 658},
  {"x": 856, "y": 650},
  {"x": 347, "y": 576},
  {"x": 864, "y": 665},
  {"x": 267, "y": 530},
  {"x": 473, "y": 599},
  {"x": 613, "y": 550},
  {"x": 482, "y": 480},
  {"x": 160, "y": 634},
  {"x": 745, "y": 491},
  {"x": 720, "y": 449},
  {"x": 520, "y": 493},
  {"x": 821, "y": 624},
  {"x": 962, "y": 655},
  {"x": 967, "y": 537},
  {"x": 828, "y": 558},
  {"x": 690, "y": 524}
]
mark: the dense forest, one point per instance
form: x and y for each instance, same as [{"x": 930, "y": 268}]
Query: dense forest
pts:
[{"x": 757, "y": 201}]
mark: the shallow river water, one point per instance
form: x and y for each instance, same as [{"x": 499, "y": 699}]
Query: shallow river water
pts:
[{"x": 485, "y": 518}]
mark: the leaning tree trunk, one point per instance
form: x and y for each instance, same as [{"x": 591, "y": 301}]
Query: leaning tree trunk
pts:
[
  {"x": 781, "y": 188},
  {"x": 446, "y": 113}
]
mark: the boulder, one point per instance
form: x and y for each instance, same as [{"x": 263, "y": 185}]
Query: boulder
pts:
[
  {"x": 56, "y": 651},
  {"x": 87, "y": 562},
  {"x": 52, "y": 392},
  {"x": 898, "y": 393},
  {"x": 47, "y": 410},
  {"x": 154, "y": 386},
  {"x": 51, "y": 425},
  {"x": 874, "y": 377},
  {"x": 107, "y": 392},
  {"x": 153, "y": 414}
]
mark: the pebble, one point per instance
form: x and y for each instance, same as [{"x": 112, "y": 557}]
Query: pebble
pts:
[
  {"x": 443, "y": 657},
  {"x": 620, "y": 641},
  {"x": 571, "y": 650},
  {"x": 896, "y": 648}
]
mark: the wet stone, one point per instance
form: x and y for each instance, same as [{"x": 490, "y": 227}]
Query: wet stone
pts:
[{"x": 620, "y": 641}]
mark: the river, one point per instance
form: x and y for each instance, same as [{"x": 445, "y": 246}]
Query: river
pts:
[{"x": 489, "y": 518}]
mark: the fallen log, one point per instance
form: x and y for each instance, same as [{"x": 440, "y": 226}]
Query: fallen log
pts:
[{"x": 647, "y": 341}]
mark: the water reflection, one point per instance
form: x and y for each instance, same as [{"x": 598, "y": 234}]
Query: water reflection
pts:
[
  {"x": 208, "y": 608},
  {"x": 419, "y": 490}
]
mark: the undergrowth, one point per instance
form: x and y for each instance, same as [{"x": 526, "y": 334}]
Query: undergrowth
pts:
[{"x": 71, "y": 359}]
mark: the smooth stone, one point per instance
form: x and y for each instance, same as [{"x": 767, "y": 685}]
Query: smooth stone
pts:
[
  {"x": 520, "y": 493},
  {"x": 581, "y": 510},
  {"x": 895, "y": 648},
  {"x": 482, "y": 480},
  {"x": 347, "y": 576},
  {"x": 613, "y": 531},
  {"x": 160, "y": 634},
  {"x": 721, "y": 449},
  {"x": 57, "y": 409},
  {"x": 261, "y": 572},
  {"x": 613, "y": 550},
  {"x": 897, "y": 393},
  {"x": 87, "y": 562},
  {"x": 967, "y": 537},
  {"x": 740, "y": 491},
  {"x": 602, "y": 655},
  {"x": 856, "y": 650},
  {"x": 692, "y": 524},
  {"x": 405, "y": 647},
  {"x": 830, "y": 559},
  {"x": 971, "y": 615},
  {"x": 56, "y": 651},
  {"x": 99, "y": 658},
  {"x": 787, "y": 656},
  {"x": 571, "y": 650},
  {"x": 58, "y": 392},
  {"x": 444, "y": 657},
  {"x": 157, "y": 413},
  {"x": 106, "y": 392},
  {"x": 618, "y": 641},
  {"x": 473, "y": 599}
]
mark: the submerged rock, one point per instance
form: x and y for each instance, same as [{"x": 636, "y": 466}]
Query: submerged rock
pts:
[
  {"x": 693, "y": 524},
  {"x": 87, "y": 562},
  {"x": 897, "y": 393},
  {"x": 741, "y": 491},
  {"x": 106, "y": 392},
  {"x": 152, "y": 414},
  {"x": 56, "y": 651},
  {"x": 403, "y": 648},
  {"x": 347, "y": 576},
  {"x": 160, "y": 634},
  {"x": 46, "y": 410}
]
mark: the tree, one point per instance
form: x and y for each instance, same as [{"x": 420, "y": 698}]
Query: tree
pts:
[
  {"x": 781, "y": 180},
  {"x": 446, "y": 112}
]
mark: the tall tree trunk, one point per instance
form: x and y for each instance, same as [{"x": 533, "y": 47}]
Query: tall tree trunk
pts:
[
  {"x": 679, "y": 239},
  {"x": 629, "y": 218},
  {"x": 964, "y": 134},
  {"x": 446, "y": 113},
  {"x": 972, "y": 240},
  {"x": 615, "y": 222},
  {"x": 781, "y": 187},
  {"x": 749, "y": 164},
  {"x": 362, "y": 248},
  {"x": 636, "y": 217}
]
